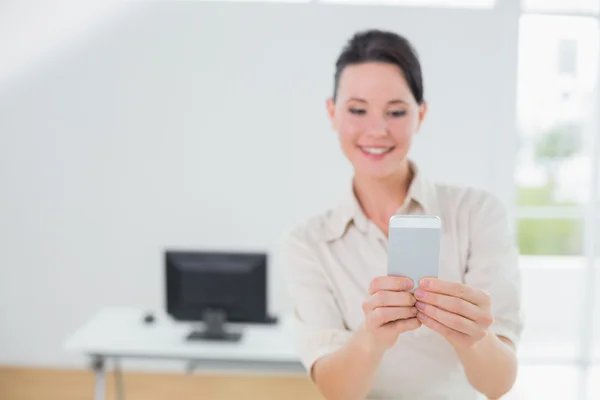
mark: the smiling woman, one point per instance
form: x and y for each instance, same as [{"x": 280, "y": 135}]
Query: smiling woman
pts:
[
  {"x": 373, "y": 109},
  {"x": 362, "y": 333}
]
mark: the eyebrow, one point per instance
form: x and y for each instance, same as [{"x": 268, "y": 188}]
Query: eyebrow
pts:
[{"x": 395, "y": 101}]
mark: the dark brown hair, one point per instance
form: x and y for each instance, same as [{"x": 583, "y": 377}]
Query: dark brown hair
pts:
[{"x": 382, "y": 46}]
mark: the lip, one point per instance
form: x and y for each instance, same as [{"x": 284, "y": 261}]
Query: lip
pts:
[{"x": 376, "y": 156}]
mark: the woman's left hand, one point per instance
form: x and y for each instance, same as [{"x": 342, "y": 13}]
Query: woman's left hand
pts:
[{"x": 458, "y": 312}]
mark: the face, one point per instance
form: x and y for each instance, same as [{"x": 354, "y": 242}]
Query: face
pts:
[{"x": 376, "y": 116}]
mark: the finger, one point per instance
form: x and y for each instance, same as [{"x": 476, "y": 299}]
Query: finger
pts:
[
  {"x": 453, "y": 304},
  {"x": 456, "y": 289},
  {"x": 387, "y": 298},
  {"x": 405, "y": 325},
  {"x": 452, "y": 321},
  {"x": 394, "y": 283},
  {"x": 442, "y": 329},
  {"x": 382, "y": 315}
]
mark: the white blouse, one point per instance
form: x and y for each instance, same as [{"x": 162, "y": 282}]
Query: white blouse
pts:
[{"x": 332, "y": 258}]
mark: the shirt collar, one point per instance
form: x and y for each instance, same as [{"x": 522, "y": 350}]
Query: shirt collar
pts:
[{"x": 349, "y": 211}]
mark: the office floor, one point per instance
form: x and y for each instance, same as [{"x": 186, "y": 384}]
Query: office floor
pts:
[
  {"x": 49, "y": 384},
  {"x": 535, "y": 382}
]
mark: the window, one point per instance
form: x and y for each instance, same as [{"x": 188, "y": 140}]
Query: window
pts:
[
  {"x": 596, "y": 309},
  {"x": 557, "y": 185},
  {"x": 551, "y": 287},
  {"x": 558, "y": 65},
  {"x": 594, "y": 383}
]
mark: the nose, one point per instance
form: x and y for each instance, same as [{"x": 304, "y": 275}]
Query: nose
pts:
[{"x": 376, "y": 126}]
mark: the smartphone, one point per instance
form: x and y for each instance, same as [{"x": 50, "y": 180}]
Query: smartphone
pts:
[{"x": 414, "y": 246}]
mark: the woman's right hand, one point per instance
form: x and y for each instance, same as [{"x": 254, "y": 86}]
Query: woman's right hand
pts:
[{"x": 389, "y": 310}]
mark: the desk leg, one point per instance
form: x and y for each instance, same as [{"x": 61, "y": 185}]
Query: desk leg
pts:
[
  {"x": 119, "y": 380},
  {"x": 100, "y": 378}
]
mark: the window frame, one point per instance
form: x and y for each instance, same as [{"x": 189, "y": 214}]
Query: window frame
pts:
[{"x": 589, "y": 214}]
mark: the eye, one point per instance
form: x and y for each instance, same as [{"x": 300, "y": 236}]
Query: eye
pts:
[
  {"x": 357, "y": 111},
  {"x": 398, "y": 113}
]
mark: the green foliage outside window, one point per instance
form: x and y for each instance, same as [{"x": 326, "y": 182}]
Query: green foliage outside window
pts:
[{"x": 551, "y": 236}]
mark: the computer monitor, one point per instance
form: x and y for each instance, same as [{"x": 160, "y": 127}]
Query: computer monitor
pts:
[{"x": 216, "y": 288}]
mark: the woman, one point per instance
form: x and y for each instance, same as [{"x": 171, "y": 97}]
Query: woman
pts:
[{"x": 362, "y": 333}]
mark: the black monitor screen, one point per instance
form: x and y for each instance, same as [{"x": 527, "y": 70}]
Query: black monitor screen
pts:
[{"x": 235, "y": 283}]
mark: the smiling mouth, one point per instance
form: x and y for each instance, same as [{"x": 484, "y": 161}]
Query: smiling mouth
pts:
[{"x": 376, "y": 150}]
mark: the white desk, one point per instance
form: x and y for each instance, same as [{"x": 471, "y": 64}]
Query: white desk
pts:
[{"x": 119, "y": 333}]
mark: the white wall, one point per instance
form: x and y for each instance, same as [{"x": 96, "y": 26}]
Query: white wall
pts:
[{"x": 203, "y": 126}]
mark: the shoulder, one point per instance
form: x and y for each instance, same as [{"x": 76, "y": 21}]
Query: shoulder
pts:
[
  {"x": 301, "y": 247},
  {"x": 477, "y": 213},
  {"x": 469, "y": 201},
  {"x": 315, "y": 229}
]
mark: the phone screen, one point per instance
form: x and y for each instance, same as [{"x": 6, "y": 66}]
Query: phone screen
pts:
[{"x": 414, "y": 252}]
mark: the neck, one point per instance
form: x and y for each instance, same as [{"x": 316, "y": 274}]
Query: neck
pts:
[{"x": 381, "y": 198}]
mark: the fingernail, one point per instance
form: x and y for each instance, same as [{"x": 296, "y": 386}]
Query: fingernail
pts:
[
  {"x": 419, "y": 293},
  {"x": 420, "y": 305},
  {"x": 424, "y": 283},
  {"x": 407, "y": 284}
]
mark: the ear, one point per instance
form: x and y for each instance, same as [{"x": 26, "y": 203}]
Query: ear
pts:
[
  {"x": 330, "y": 104},
  {"x": 422, "y": 114}
]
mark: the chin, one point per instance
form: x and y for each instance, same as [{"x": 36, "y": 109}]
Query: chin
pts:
[
  {"x": 374, "y": 172},
  {"x": 376, "y": 167}
]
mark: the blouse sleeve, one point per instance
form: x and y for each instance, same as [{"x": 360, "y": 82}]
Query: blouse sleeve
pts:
[
  {"x": 493, "y": 263},
  {"x": 319, "y": 326}
]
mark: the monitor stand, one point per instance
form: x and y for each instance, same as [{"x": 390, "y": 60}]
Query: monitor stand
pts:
[{"x": 214, "y": 328}]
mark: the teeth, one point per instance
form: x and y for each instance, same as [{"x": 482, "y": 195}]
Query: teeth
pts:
[{"x": 376, "y": 150}]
